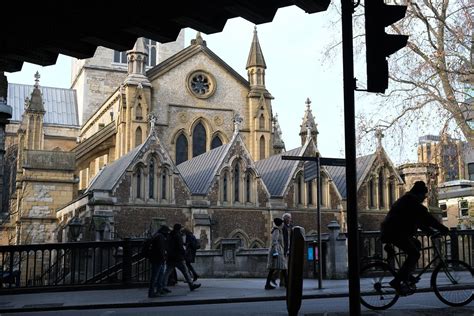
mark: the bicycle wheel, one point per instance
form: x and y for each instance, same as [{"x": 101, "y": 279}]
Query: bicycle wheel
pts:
[
  {"x": 453, "y": 282},
  {"x": 375, "y": 290}
]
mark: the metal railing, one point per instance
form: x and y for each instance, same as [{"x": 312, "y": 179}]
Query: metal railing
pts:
[
  {"x": 458, "y": 244},
  {"x": 76, "y": 264}
]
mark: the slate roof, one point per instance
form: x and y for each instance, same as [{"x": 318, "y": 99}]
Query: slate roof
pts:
[
  {"x": 106, "y": 178},
  {"x": 338, "y": 174},
  {"x": 60, "y": 104},
  {"x": 199, "y": 172},
  {"x": 275, "y": 172}
]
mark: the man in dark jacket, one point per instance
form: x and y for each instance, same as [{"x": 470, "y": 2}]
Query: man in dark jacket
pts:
[
  {"x": 175, "y": 257},
  {"x": 157, "y": 260},
  {"x": 399, "y": 227}
]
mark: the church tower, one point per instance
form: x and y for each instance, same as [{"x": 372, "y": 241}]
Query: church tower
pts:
[
  {"x": 308, "y": 121},
  {"x": 260, "y": 107},
  {"x": 135, "y": 102}
]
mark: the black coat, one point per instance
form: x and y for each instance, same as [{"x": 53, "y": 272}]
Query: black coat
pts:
[
  {"x": 175, "y": 247},
  {"x": 405, "y": 217},
  {"x": 158, "y": 248}
]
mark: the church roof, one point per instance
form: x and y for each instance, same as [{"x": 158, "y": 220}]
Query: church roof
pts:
[
  {"x": 338, "y": 173},
  {"x": 60, "y": 104},
  {"x": 106, "y": 178},
  {"x": 199, "y": 172},
  {"x": 275, "y": 171}
]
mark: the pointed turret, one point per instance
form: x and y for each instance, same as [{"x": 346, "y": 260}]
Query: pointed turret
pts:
[
  {"x": 278, "y": 143},
  {"x": 256, "y": 66},
  {"x": 137, "y": 60},
  {"x": 308, "y": 121},
  {"x": 32, "y": 120}
]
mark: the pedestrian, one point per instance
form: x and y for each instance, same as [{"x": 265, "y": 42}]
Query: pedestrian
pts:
[
  {"x": 175, "y": 257},
  {"x": 399, "y": 227},
  {"x": 287, "y": 227},
  {"x": 276, "y": 260},
  {"x": 156, "y": 252},
  {"x": 191, "y": 244}
]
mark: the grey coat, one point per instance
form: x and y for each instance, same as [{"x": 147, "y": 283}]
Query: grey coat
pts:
[{"x": 276, "y": 262}]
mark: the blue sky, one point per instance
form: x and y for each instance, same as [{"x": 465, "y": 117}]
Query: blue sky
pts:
[{"x": 294, "y": 46}]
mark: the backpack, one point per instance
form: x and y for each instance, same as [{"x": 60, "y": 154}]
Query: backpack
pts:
[{"x": 147, "y": 248}]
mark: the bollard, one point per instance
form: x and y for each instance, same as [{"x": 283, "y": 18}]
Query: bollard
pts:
[{"x": 294, "y": 288}]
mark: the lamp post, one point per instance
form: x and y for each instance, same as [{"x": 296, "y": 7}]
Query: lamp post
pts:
[{"x": 75, "y": 226}]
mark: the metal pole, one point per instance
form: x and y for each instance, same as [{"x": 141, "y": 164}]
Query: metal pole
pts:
[
  {"x": 318, "y": 211},
  {"x": 349, "y": 131}
]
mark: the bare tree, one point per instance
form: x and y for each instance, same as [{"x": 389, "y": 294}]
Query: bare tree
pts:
[{"x": 431, "y": 79}]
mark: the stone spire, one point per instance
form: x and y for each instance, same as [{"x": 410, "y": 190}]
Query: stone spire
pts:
[
  {"x": 379, "y": 135},
  {"x": 137, "y": 60},
  {"x": 198, "y": 40},
  {"x": 278, "y": 143},
  {"x": 308, "y": 122},
  {"x": 35, "y": 103},
  {"x": 237, "y": 122},
  {"x": 255, "y": 58}
]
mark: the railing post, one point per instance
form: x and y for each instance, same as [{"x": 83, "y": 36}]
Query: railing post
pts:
[
  {"x": 453, "y": 233},
  {"x": 127, "y": 262}
]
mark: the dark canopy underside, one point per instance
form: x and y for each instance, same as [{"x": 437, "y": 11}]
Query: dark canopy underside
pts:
[{"x": 36, "y": 32}]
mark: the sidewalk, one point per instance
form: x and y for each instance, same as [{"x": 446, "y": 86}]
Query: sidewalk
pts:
[{"x": 211, "y": 291}]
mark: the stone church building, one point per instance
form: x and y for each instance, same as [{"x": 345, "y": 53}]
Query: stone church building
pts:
[{"x": 170, "y": 134}]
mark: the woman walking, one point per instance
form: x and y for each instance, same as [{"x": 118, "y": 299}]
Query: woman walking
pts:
[{"x": 276, "y": 259}]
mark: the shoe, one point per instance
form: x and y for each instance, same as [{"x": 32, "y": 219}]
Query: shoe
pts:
[
  {"x": 166, "y": 290},
  {"x": 412, "y": 280},
  {"x": 195, "y": 278},
  {"x": 269, "y": 287},
  {"x": 273, "y": 283},
  {"x": 401, "y": 288},
  {"x": 192, "y": 287}
]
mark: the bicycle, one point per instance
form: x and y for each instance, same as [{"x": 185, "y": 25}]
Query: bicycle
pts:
[{"x": 452, "y": 280}]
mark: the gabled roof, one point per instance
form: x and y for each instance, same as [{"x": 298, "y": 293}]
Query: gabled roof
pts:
[
  {"x": 60, "y": 104},
  {"x": 338, "y": 174},
  {"x": 199, "y": 171},
  {"x": 187, "y": 53},
  {"x": 276, "y": 172},
  {"x": 108, "y": 177}
]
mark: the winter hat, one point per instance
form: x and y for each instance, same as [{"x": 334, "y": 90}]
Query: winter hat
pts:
[
  {"x": 419, "y": 188},
  {"x": 177, "y": 227},
  {"x": 278, "y": 221}
]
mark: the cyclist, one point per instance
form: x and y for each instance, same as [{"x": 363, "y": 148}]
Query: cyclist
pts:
[{"x": 407, "y": 215}]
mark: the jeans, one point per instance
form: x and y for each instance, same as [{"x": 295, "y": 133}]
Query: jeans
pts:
[
  {"x": 411, "y": 246},
  {"x": 181, "y": 265},
  {"x": 157, "y": 278}
]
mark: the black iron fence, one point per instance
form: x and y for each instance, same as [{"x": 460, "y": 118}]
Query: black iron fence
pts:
[
  {"x": 77, "y": 264},
  {"x": 457, "y": 245}
]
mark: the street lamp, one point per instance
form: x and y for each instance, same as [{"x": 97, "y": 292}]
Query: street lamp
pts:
[{"x": 75, "y": 226}]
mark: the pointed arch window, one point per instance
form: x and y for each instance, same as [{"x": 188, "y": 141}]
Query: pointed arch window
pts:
[
  {"x": 262, "y": 147},
  {"x": 391, "y": 193},
  {"x": 381, "y": 189},
  {"x": 199, "y": 140},
  {"x": 324, "y": 190},
  {"x": 181, "y": 149},
  {"x": 224, "y": 188},
  {"x": 216, "y": 142},
  {"x": 371, "y": 193},
  {"x": 248, "y": 184},
  {"x": 310, "y": 192},
  {"x": 299, "y": 193},
  {"x": 236, "y": 183},
  {"x": 138, "y": 112},
  {"x": 164, "y": 180},
  {"x": 151, "y": 180},
  {"x": 261, "y": 122},
  {"x": 139, "y": 183},
  {"x": 138, "y": 136}
]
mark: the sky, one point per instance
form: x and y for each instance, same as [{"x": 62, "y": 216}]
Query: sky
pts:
[{"x": 294, "y": 46}]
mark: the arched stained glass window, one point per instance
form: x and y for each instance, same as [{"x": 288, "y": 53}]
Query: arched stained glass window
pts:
[
  {"x": 216, "y": 142},
  {"x": 236, "y": 183},
  {"x": 391, "y": 193},
  {"x": 181, "y": 149},
  {"x": 164, "y": 180},
  {"x": 139, "y": 183},
  {"x": 261, "y": 122},
  {"x": 248, "y": 184},
  {"x": 381, "y": 189},
  {"x": 310, "y": 192},
  {"x": 151, "y": 180},
  {"x": 371, "y": 193},
  {"x": 224, "y": 188},
  {"x": 300, "y": 190},
  {"x": 199, "y": 140}
]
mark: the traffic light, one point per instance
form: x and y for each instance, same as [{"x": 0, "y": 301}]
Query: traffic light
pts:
[{"x": 379, "y": 44}]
